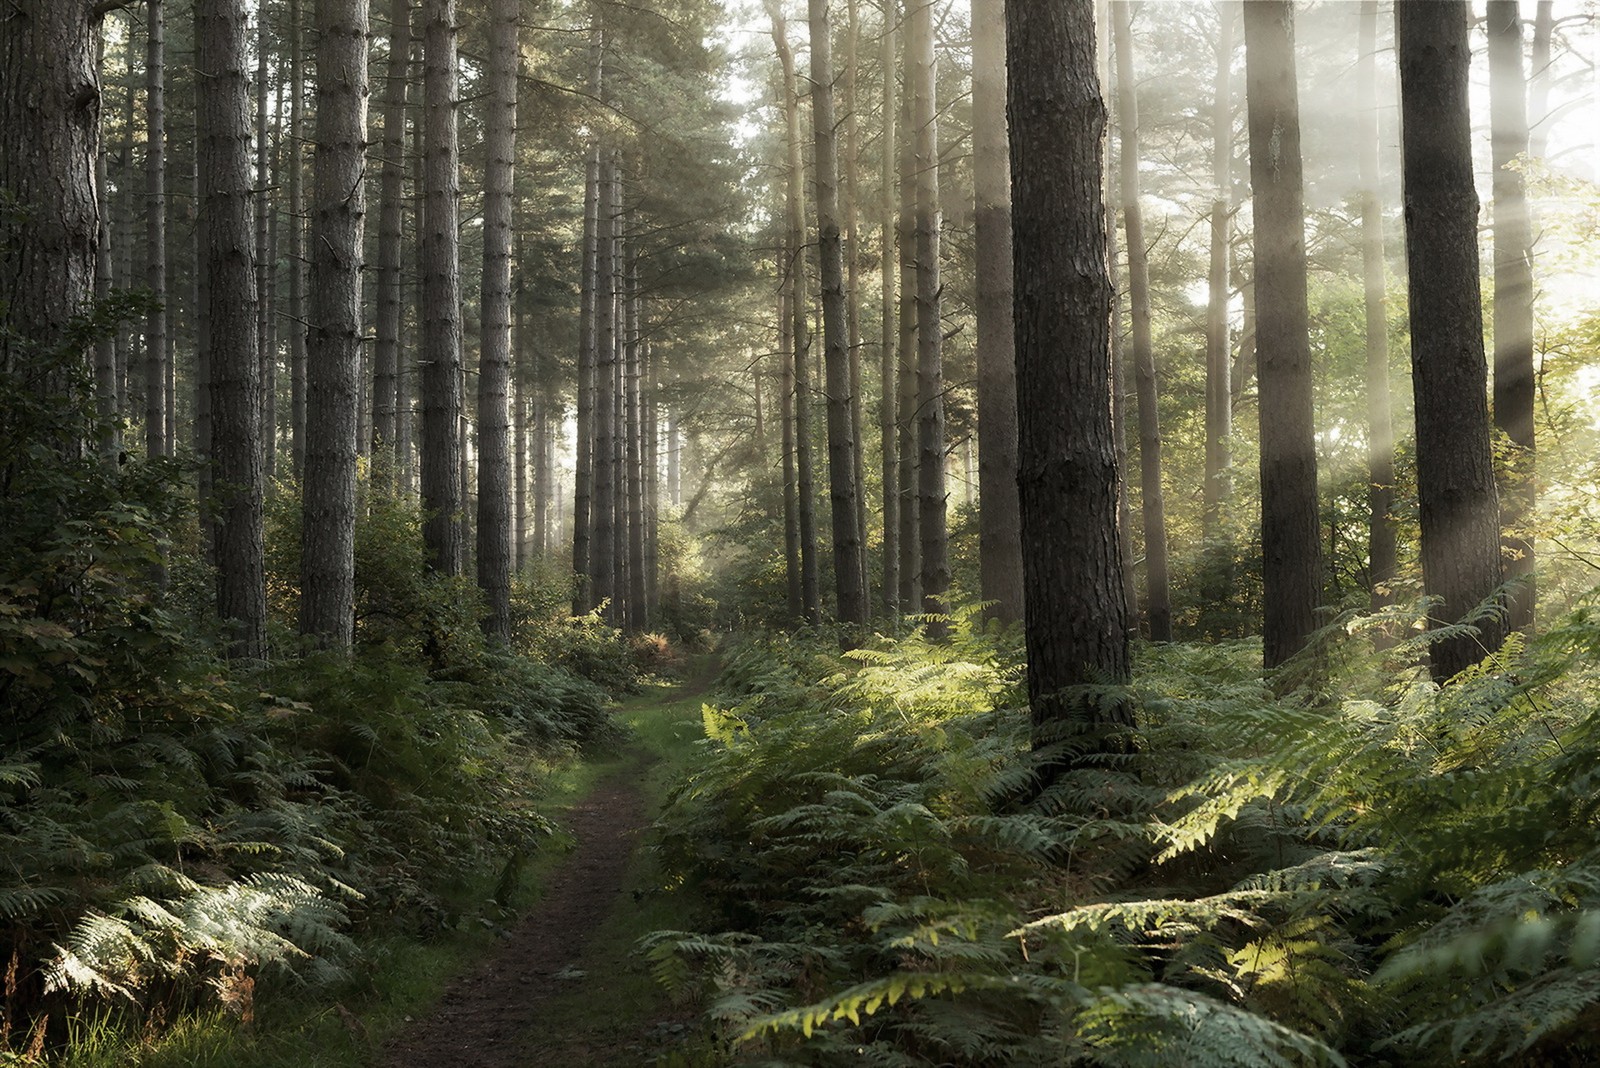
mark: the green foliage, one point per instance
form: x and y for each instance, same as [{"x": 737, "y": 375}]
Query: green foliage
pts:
[{"x": 1378, "y": 868}]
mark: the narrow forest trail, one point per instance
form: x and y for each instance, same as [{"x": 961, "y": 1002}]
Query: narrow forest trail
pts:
[{"x": 562, "y": 988}]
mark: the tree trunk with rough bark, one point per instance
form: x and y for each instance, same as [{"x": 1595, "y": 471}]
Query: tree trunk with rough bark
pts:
[
  {"x": 1158, "y": 595},
  {"x": 602, "y": 546},
  {"x": 932, "y": 534},
  {"x": 843, "y": 490},
  {"x": 226, "y": 206},
  {"x": 443, "y": 490},
  {"x": 391, "y": 240},
  {"x": 1460, "y": 511},
  {"x": 333, "y": 372},
  {"x": 1291, "y": 544},
  {"x": 1076, "y": 627},
  {"x": 297, "y": 239},
  {"x": 156, "y": 431},
  {"x": 1513, "y": 302},
  {"x": 494, "y": 363},
  {"x": 999, "y": 516},
  {"x": 1219, "y": 361},
  {"x": 888, "y": 407},
  {"x": 1381, "y": 552}
]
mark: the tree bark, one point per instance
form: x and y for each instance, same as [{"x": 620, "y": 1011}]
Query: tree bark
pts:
[
  {"x": 805, "y": 492},
  {"x": 333, "y": 372},
  {"x": 791, "y": 513},
  {"x": 1219, "y": 362},
  {"x": 588, "y": 358},
  {"x": 1382, "y": 562},
  {"x": 1513, "y": 303},
  {"x": 888, "y": 408},
  {"x": 263, "y": 177},
  {"x": 933, "y": 548},
  {"x": 297, "y": 240},
  {"x": 638, "y": 605},
  {"x": 1455, "y": 470},
  {"x": 843, "y": 490},
  {"x": 442, "y": 486},
  {"x": 1291, "y": 544},
  {"x": 226, "y": 207},
  {"x": 391, "y": 239},
  {"x": 1158, "y": 595},
  {"x": 156, "y": 431},
  {"x": 602, "y": 547},
  {"x": 494, "y": 363},
  {"x": 999, "y": 515},
  {"x": 108, "y": 404},
  {"x": 1076, "y": 626},
  {"x": 50, "y": 93}
]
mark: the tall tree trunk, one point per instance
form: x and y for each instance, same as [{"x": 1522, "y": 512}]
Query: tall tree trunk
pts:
[
  {"x": 108, "y": 405},
  {"x": 297, "y": 240},
  {"x": 602, "y": 547},
  {"x": 621, "y": 245},
  {"x": 999, "y": 517},
  {"x": 791, "y": 513},
  {"x": 1539, "y": 79},
  {"x": 1455, "y": 469},
  {"x": 333, "y": 378},
  {"x": 494, "y": 365},
  {"x": 391, "y": 237},
  {"x": 1158, "y": 596},
  {"x": 588, "y": 358},
  {"x": 638, "y": 604},
  {"x": 652, "y": 484},
  {"x": 202, "y": 348},
  {"x": 888, "y": 408},
  {"x": 442, "y": 486},
  {"x": 50, "y": 94},
  {"x": 674, "y": 460},
  {"x": 1513, "y": 302},
  {"x": 226, "y": 207},
  {"x": 156, "y": 431},
  {"x": 1381, "y": 553},
  {"x": 906, "y": 355},
  {"x": 850, "y": 173},
  {"x": 810, "y": 592},
  {"x": 1219, "y": 360},
  {"x": 263, "y": 178},
  {"x": 848, "y": 568},
  {"x": 1291, "y": 544},
  {"x": 933, "y": 549},
  {"x": 1076, "y": 629}
]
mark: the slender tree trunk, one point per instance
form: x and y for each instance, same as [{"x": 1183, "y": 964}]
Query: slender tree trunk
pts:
[
  {"x": 494, "y": 366},
  {"x": 1381, "y": 553},
  {"x": 333, "y": 379},
  {"x": 602, "y": 553},
  {"x": 226, "y": 206},
  {"x": 443, "y": 489},
  {"x": 850, "y": 171},
  {"x": 999, "y": 518},
  {"x": 1219, "y": 361},
  {"x": 156, "y": 430},
  {"x": 1539, "y": 79},
  {"x": 638, "y": 602},
  {"x": 107, "y": 404},
  {"x": 935, "y": 569},
  {"x": 1513, "y": 302},
  {"x": 269, "y": 296},
  {"x": 888, "y": 408},
  {"x": 588, "y": 358},
  {"x": 848, "y": 568},
  {"x": 791, "y": 513},
  {"x": 1291, "y": 543},
  {"x": 127, "y": 222},
  {"x": 391, "y": 238},
  {"x": 1076, "y": 630},
  {"x": 1158, "y": 597},
  {"x": 1455, "y": 470},
  {"x": 263, "y": 179},
  {"x": 297, "y": 240},
  {"x": 652, "y": 485},
  {"x": 906, "y": 358},
  {"x": 621, "y": 244},
  {"x": 810, "y": 593},
  {"x": 202, "y": 359}
]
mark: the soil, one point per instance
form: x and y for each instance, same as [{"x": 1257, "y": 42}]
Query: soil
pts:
[{"x": 490, "y": 1017}]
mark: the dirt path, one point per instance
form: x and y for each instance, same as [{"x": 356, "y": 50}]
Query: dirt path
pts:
[{"x": 489, "y": 1018}]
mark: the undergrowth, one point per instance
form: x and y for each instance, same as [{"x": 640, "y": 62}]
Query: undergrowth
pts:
[{"x": 1371, "y": 870}]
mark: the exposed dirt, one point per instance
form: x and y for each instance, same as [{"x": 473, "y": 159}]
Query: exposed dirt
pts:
[{"x": 490, "y": 1017}]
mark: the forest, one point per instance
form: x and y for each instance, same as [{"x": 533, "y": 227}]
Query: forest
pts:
[{"x": 695, "y": 533}]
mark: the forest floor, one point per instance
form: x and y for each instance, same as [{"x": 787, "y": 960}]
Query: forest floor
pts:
[{"x": 563, "y": 987}]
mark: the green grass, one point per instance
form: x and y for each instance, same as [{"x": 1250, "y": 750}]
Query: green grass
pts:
[{"x": 402, "y": 978}]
